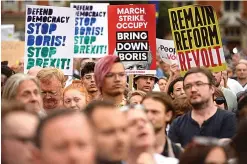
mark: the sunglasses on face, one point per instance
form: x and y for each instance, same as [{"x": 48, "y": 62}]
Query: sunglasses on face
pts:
[{"x": 220, "y": 100}]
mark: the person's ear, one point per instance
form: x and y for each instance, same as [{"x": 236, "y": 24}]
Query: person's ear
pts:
[
  {"x": 172, "y": 95},
  {"x": 168, "y": 116}
]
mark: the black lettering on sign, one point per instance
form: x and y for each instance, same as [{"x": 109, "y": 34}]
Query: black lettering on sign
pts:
[
  {"x": 131, "y": 35},
  {"x": 133, "y": 56},
  {"x": 132, "y": 46}
]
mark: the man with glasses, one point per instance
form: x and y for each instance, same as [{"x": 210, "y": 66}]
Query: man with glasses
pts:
[
  {"x": 18, "y": 128},
  {"x": 110, "y": 78},
  {"x": 204, "y": 119},
  {"x": 52, "y": 81},
  {"x": 88, "y": 80}
]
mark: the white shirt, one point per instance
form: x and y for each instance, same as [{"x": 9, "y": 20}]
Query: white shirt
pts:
[
  {"x": 160, "y": 159},
  {"x": 234, "y": 86}
]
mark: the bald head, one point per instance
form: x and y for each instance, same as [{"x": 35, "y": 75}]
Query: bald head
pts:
[{"x": 34, "y": 71}]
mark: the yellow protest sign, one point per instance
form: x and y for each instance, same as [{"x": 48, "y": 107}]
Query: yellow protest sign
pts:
[{"x": 197, "y": 39}]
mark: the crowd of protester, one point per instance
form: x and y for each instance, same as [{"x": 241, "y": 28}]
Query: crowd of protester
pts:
[{"x": 50, "y": 118}]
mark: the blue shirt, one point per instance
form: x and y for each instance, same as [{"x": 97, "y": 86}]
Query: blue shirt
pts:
[{"x": 221, "y": 125}]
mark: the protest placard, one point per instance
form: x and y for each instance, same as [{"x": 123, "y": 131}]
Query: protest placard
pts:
[
  {"x": 91, "y": 34},
  {"x": 12, "y": 51},
  {"x": 49, "y": 37},
  {"x": 196, "y": 34},
  {"x": 167, "y": 51},
  {"x": 132, "y": 37}
]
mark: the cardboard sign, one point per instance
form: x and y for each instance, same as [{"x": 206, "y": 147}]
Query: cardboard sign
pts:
[
  {"x": 49, "y": 37},
  {"x": 167, "y": 51},
  {"x": 196, "y": 34},
  {"x": 91, "y": 35},
  {"x": 132, "y": 37},
  {"x": 12, "y": 51}
]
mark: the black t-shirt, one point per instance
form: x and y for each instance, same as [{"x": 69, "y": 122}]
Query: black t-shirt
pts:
[{"x": 221, "y": 125}]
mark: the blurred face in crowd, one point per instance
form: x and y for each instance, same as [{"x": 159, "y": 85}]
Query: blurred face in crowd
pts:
[
  {"x": 141, "y": 132},
  {"x": 216, "y": 155},
  {"x": 145, "y": 83},
  {"x": 229, "y": 72},
  {"x": 34, "y": 71},
  {"x": 178, "y": 90},
  {"x": 111, "y": 134},
  {"x": 241, "y": 71},
  {"x": 136, "y": 99},
  {"x": 65, "y": 140},
  {"x": 29, "y": 94},
  {"x": 217, "y": 77},
  {"x": 18, "y": 130},
  {"x": 235, "y": 59},
  {"x": 156, "y": 113},
  {"x": 89, "y": 82},
  {"x": 115, "y": 80},
  {"x": 51, "y": 90},
  {"x": 74, "y": 99},
  {"x": 20, "y": 66},
  {"x": 162, "y": 84},
  {"x": 165, "y": 67},
  {"x": 198, "y": 90}
]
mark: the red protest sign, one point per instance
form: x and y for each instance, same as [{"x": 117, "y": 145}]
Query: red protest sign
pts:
[{"x": 132, "y": 36}]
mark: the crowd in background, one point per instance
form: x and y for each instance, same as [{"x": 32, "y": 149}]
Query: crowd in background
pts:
[{"x": 97, "y": 117}]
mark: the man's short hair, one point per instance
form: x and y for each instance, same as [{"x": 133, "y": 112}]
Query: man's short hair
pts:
[
  {"x": 45, "y": 120},
  {"x": 102, "y": 67},
  {"x": 47, "y": 73},
  {"x": 163, "y": 98},
  {"x": 97, "y": 104},
  {"x": 171, "y": 85},
  {"x": 88, "y": 68},
  {"x": 204, "y": 71},
  {"x": 12, "y": 84}
]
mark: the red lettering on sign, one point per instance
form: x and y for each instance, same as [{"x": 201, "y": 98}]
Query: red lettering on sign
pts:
[{"x": 182, "y": 61}]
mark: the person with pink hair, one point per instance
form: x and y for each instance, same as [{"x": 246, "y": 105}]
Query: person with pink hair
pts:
[{"x": 110, "y": 78}]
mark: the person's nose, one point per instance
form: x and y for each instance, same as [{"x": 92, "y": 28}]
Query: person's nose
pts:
[
  {"x": 193, "y": 88},
  {"x": 182, "y": 92},
  {"x": 92, "y": 79},
  {"x": 73, "y": 103},
  {"x": 117, "y": 77},
  {"x": 148, "y": 80},
  {"x": 74, "y": 154},
  {"x": 34, "y": 97}
]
